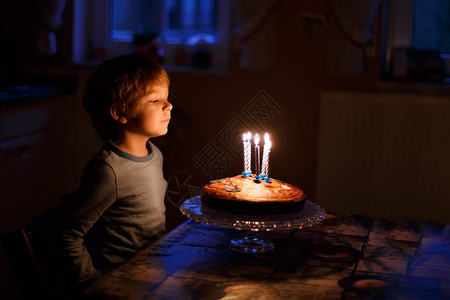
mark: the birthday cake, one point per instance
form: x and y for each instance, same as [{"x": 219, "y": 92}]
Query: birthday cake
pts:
[
  {"x": 245, "y": 195},
  {"x": 253, "y": 194}
]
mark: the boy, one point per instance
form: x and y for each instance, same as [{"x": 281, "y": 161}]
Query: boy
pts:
[{"x": 119, "y": 206}]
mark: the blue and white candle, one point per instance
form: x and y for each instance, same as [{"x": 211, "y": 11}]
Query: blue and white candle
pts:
[
  {"x": 249, "y": 154},
  {"x": 246, "y": 138},
  {"x": 257, "y": 159},
  {"x": 265, "y": 158}
]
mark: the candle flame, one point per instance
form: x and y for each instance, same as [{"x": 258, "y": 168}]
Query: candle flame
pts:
[
  {"x": 267, "y": 141},
  {"x": 256, "y": 139},
  {"x": 246, "y": 137}
]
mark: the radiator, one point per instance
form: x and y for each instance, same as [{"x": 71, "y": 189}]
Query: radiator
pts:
[{"x": 384, "y": 155}]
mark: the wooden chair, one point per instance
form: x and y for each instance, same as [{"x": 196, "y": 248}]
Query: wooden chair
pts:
[
  {"x": 24, "y": 264},
  {"x": 32, "y": 257}
]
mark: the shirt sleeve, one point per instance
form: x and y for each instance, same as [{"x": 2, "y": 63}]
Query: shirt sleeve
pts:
[{"x": 97, "y": 191}]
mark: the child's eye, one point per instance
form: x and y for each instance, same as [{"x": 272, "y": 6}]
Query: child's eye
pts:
[{"x": 153, "y": 101}]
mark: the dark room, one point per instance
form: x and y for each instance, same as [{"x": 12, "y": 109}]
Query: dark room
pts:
[{"x": 225, "y": 149}]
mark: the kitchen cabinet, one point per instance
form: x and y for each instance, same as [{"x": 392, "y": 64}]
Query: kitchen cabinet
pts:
[{"x": 36, "y": 158}]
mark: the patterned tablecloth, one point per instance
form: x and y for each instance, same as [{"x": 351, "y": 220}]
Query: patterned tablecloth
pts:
[{"x": 345, "y": 257}]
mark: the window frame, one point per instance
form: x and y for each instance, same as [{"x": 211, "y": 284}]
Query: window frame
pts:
[{"x": 399, "y": 27}]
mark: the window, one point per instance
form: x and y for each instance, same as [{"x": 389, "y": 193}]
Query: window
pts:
[
  {"x": 118, "y": 23},
  {"x": 130, "y": 17},
  {"x": 431, "y": 25},
  {"x": 174, "y": 21},
  {"x": 417, "y": 41}
]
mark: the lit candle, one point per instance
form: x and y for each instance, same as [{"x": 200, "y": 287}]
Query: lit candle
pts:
[
  {"x": 257, "y": 162},
  {"x": 247, "y": 154},
  {"x": 265, "y": 159},
  {"x": 244, "y": 151}
]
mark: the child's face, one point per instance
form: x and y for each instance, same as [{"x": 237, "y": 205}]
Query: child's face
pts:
[{"x": 153, "y": 119}]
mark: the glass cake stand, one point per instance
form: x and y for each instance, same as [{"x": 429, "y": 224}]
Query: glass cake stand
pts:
[{"x": 250, "y": 243}]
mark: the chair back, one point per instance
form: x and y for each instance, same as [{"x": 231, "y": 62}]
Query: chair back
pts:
[
  {"x": 32, "y": 255},
  {"x": 24, "y": 264}
]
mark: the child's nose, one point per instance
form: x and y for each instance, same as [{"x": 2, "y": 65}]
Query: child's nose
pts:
[{"x": 167, "y": 106}]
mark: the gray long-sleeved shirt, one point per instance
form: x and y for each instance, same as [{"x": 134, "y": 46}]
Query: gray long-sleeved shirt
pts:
[{"x": 117, "y": 209}]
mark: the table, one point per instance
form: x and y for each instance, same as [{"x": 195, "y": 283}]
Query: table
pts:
[{"x": 345, "y": 257}]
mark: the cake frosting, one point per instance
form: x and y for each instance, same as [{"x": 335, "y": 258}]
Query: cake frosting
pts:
[{"x": 245, "y": 195}]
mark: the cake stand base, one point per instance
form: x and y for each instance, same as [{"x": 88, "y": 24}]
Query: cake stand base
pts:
[
  {"x": 251, "y": 244},
  {"x": 310, "y": 214}
]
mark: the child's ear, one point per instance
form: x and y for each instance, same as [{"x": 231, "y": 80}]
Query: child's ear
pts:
[{"x": 115, "y": 114}]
